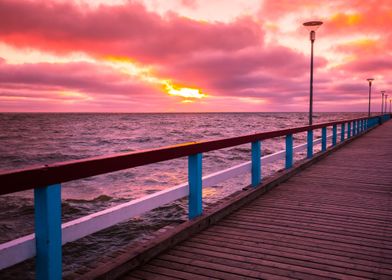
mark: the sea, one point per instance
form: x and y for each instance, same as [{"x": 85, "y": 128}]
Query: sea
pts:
[{"x": 36, "y": 139}]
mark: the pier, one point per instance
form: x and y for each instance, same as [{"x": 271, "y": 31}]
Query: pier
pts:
[
  {"x": 332, "y": 220},
  {"x": 327, "y": 216}
]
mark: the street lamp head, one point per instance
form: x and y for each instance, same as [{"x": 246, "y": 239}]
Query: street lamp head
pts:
[
  {"x": 313, "y": 25},
  {"x": 382, "y": 92},
  {"x": 370, "y": 80}
]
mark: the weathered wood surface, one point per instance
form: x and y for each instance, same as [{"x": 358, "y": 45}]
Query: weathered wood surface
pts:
[{"x": 333, "y": 220}]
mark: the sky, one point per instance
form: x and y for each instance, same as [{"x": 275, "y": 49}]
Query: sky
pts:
[{"x": 192, "y": 55}]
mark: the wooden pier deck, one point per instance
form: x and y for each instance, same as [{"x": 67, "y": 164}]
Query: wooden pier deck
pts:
[{"x": 332, "y": 220}]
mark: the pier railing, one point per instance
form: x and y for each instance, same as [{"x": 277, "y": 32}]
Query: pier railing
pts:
[{"x": 46, "y": 181}]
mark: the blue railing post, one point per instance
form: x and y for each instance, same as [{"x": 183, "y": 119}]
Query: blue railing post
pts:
[
  {"x": 358, "y": 127},
  {"x": 256, "y": 163},
  {"x": 195, "y": 185},
  {"x": 348, "y": 130},
  {"x": 47, "y": 218},
  {"x": 324, "y": 139},
  {"x": 354, "y": 128},
  {"x": 310, "y": 144},
  {"x": 342, "y": 132},
  {"x": 334, "y": 134},
  {"x": 289, "y": 151}
]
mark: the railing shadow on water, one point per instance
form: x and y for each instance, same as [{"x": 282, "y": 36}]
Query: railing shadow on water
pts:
[{"x": 50, "y": 234}]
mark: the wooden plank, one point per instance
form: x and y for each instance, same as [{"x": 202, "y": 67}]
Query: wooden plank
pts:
[
  {"x": 292, "y": 248},
  {"x": 305, "y": 240},
  {"x": 251, "y": 266},
  {"x": 200, "y": 267},
  {"x": 305, "y": 244},
  {"x": 382, "y": 245},
  {"x": 344, "y": 224},
  {"x": 331, "y": 216},
  {"x": 305, "y": 267},
  {"x": 152, "y": 272},
  {"x": 149, "y": 271},
  {"x": 377, "y": 233},
  {"x": 339, "y": 212}
]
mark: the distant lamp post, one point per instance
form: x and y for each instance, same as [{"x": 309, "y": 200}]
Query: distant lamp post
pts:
[
  {"x": 370, "y": 80},
  {"x": 390, "y": 100},
  {"x": 386, "y": 99},
  {"x": 382, "y": 101},
  {"x": 312, "y": 26}
]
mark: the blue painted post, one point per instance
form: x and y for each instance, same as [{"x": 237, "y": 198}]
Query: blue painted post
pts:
[
  {"x": 289, "y": 151},
  {"x": 324, "y": 139},
  {"x": 195, "y": 203},
  {"x": 354, "y": 128},
  {"x": 256, "y": 163},
  {"x": 47, "y": 218},
  {"x": 334, "y": 134},
  {"x": 310, "y": 144},
  {"x": 357, "y": 127},
  {"x": 348, "y": 130},
  {"x": 342, "y": 132}
]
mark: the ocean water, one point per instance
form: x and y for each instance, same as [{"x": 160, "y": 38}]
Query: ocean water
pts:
[{"x": 37, "y": 139}]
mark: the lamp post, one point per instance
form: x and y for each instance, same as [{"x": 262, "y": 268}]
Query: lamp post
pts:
[
  {"x": 370, "y": 80},
  {"x": 386, "y": 99},
  {"x": 390, "y": 100},
  {"x": 312, "y": 26},
  {"x": 382, "y": 101}
]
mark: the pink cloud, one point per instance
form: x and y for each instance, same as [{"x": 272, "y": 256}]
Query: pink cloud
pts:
[
  {"x": 192, "y": 4},
  {"x": 274, "y": 9},
  {"x": 85, "y": 77},
  {"x": 74, "y": 87},
  {"x": 126, "y": 30},
  {"x": 381, "y": 64}
]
